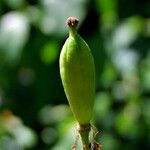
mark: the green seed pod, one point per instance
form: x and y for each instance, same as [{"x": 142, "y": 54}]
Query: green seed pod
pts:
[{"x": 77, "y": 72}]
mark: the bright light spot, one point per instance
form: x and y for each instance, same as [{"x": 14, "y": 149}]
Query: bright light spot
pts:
[
  {"x": 14, "y": 30},
  {"x": 126, "y": 60}
]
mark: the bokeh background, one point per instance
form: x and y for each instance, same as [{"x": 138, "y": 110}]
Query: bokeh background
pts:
[{"x": 34, "y": 112}]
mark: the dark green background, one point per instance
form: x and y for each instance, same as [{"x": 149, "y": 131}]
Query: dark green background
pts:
[{"x": 34, "y": 112}]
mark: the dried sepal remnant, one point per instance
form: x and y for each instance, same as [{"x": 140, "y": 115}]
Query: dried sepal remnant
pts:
[
  {"x": 83, "y": 147},
  {"x": 72, "y": 21},
  {"x": 93, "y": 144},
  {"x": 74, "y": 147},
  {"x": 96, "y": 146}
]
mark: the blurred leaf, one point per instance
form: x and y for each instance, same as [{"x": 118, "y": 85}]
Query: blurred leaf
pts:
[
  {"x": 145, "y": 73},
  {"x": 8, "y": 143},
  {"x": 126, "y": 120},
  {"x": 146, "y": 111},
  {"x": 14, "y": 31},
  {"x": 107, "y": 9},
  {"x": 102, "y": 104},
  {"x": 49, "y": 135},
  {"x": 109, "y": 75},
  {"x": 54, "y": 114},
  {"x": 127, "y": 32},
  {"x": 49, "y": 53},
  {"x": 34, "y": 14},
  {"x": 108, "y": 141},
  {"x": 23, "y": 136},
  {"x": 15, "y": 3}
]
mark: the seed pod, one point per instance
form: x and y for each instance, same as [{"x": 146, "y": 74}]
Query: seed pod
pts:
[{"x": 77, "y": 72}]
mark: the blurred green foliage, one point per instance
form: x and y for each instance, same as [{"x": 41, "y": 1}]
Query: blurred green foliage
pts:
[{"x": 34, "y": 114}]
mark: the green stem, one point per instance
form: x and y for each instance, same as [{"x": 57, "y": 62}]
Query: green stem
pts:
[{"x": 84, "y": 131}]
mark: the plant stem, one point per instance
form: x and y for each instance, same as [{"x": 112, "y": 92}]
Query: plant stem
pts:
[{"x": 84, "y": 133}]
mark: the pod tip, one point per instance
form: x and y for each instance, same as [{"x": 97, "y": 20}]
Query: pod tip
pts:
[{"x": 72, "y": 21}]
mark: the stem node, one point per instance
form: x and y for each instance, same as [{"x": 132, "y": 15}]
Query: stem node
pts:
[{"x": 84, "y": 131}]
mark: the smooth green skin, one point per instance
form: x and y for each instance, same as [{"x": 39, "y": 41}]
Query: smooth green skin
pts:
[{"x": 78, "y": 76}]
